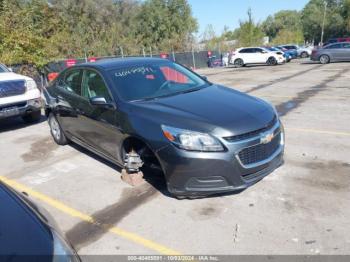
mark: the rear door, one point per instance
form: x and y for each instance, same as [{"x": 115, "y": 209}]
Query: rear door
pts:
[{"x": 98, "y": 125}]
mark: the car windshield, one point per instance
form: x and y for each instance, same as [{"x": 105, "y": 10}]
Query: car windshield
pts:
[
  {"x": 156, "y": 80},
  {"x": 3, "y": 69},
  {"x": 273, "y": 49}
]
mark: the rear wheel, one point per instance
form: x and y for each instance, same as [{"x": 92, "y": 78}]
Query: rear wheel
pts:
[
  {"x": 56, "y": 131},
  {"x": 32, "y": 117},
  {"x": 271, "y": 61},
  {"x": 324, "y": 59},
  {"x": 239, "y": 62}
]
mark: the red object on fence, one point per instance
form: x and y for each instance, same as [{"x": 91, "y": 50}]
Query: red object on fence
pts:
[
  {"x": 52, "y": 76},
  {"x": 71, "y": 62},
  {"x": 164, "y": 56},
  {"x": 92, "y": 59}
]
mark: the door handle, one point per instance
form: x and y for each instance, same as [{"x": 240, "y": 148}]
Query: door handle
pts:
[{"x": 59, "y": 98}]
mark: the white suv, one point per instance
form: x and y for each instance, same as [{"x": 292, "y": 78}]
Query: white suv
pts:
[
  {"x": 255, "y": 55},
  {"x": 19, "y": 96}
]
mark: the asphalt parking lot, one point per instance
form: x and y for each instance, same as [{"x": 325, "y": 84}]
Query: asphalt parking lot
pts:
[{"x": 302, "y": 208}]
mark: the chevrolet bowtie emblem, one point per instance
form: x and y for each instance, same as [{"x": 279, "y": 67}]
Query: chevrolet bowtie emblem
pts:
[{"x": 266, "y": 137}]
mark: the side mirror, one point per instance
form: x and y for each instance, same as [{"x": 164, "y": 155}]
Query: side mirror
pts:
[
  {"x": 204, "y": 77},
  {"x": 264, "y": 52},
  {"x": 10, "y": 69},
  {"x": 101, "y": 102}
]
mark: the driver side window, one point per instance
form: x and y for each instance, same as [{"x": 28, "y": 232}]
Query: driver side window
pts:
[{"x": 94, "y": 86}]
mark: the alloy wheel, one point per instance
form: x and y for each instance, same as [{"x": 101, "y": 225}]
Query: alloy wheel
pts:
[
  {"x": 324, "y": 59},
  {"x": 272, "y": 61},
  {"x": 239, "y": 62},
  {"x": 55, "y": 128}
]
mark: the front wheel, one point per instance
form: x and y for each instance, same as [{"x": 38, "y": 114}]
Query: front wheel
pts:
[
  {"x": 271, "y": 61},
  {"x": 324, "y": 59},
  {"x": 56, "y": 131}
]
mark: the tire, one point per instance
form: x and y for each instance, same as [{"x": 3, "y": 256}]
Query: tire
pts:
[
  {"x": 56, "y": 131},
  {"x": 272, "y": 61},
  {"x": 239, "y": 62},
  {"x": 33, "y": 117},
  {"x": 324, "y": 59},
  {"x": 304, "y": 55}
]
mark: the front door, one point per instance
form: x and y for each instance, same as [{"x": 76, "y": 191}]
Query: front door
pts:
[
  {"x": 68, "y": 97},
  {"x": 99, "y": 127},
  {"x": 346, "y": 51}
]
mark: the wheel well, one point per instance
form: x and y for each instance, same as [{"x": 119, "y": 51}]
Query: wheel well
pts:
[{"x": 140, "y": 147}]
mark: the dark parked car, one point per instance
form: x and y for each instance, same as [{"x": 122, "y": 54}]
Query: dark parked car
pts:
[
  {"x": 206, "y": 138},
  {"x": 332, "y": 53},
  {"x": 28, "y": 233}
]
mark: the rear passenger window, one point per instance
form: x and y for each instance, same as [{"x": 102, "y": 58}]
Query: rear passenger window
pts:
[
  {"x": 347, "y": 45},
  {"x": 72, "y": 81}
]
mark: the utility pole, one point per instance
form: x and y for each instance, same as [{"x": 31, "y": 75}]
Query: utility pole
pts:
[
  {"x": 324, "y": 20},
  {"x": 122, "y": 51}
]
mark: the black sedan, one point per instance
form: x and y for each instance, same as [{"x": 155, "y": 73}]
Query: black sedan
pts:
[
  {"x": 28, "y": 233},
  {"x": 206, "y": 138}
]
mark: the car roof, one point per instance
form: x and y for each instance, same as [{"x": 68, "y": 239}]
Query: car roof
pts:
[
  {"x": 123, "y": 62},
  {"x": 336, "y": 43}
]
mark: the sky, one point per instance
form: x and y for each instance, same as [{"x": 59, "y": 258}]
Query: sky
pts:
[{"x": 228, "y": 12}]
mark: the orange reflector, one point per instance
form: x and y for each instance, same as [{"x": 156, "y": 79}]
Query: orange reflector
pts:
[{"x": 168, "y": 135}]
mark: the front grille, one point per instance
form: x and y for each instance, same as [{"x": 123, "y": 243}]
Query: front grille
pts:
[
  {"x": 260, "y": 152},
  {"x": 252, "y": 134},
  {"x": 12, "y": 88},
  {"x": 8, "y": 106}
]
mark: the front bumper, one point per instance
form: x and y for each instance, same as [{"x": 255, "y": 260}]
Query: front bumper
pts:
[
  {"x": 201, "y": 174},
  {"x": 20, "y": 108}
]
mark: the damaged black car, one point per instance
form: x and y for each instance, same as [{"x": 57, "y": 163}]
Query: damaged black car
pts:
[{"x": 206, "y": 138}]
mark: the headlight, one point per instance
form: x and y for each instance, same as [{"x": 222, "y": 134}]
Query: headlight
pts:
[
  {"x": 62, "y": 251},
  {"x": 191, "y": 140},
  {"x": 30, "y": 85}
]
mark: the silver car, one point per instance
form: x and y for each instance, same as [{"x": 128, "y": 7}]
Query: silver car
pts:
[{"x": 336, "y": 52}]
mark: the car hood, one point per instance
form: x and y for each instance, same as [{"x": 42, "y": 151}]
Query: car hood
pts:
[
  {"x": 215, "y": 109},
  {"x": 22, "y": 232},
  {"x": 13, "y": 76}
]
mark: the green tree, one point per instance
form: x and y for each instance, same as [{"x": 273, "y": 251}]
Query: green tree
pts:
[
  {"x": 249, "y": 32},
  {"x": 286, "y": 20},
  {"x": 165, "y": 24},
  {"x": 312, "y": 20},
  {"x": 287, "y": 36}
]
